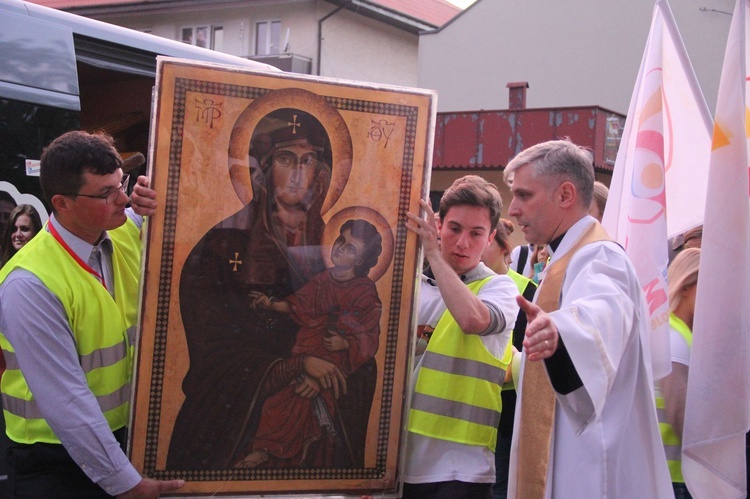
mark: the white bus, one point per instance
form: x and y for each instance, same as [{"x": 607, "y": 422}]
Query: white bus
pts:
[{"x": 61, "y": 72}]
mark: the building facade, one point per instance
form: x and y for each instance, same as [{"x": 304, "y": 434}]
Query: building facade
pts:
[{"x": 366, "y": 40}]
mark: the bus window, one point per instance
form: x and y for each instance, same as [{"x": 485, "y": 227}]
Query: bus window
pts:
[{"x": 27, "y": 129}]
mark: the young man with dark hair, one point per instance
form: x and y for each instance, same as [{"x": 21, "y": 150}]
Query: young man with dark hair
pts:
[
  {"x": 68, "y": 308},
  {"x": 455, "y": 395}
]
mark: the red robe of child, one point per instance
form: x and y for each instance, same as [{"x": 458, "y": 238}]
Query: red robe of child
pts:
[{"x": 292, "y": 430}]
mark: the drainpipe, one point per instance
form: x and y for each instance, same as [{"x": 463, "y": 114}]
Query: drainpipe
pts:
[{"x": 320, "y": 30}]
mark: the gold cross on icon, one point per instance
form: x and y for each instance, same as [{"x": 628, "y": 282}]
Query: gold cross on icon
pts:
[
  {"x": 235, "y": 261},
  {"x": 294, "y": 124}
]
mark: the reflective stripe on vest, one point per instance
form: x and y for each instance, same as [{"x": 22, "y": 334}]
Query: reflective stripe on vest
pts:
[
  {"x": 457, "y": 392},
  {"x": 103, "y": 330},
  {"x": 28, "y": 409},
  {"x": 672, "y": 443}
]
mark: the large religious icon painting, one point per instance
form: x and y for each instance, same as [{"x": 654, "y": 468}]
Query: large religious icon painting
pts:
[{"x": 278, "y": 303}]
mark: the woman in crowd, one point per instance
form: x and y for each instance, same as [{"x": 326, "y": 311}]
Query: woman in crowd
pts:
[
  {"x": 682, "y": 276},
  {"x": 599, "y": 201},
  {"x": 24, "y": 223},
  {"x": 538, "y": 262}
]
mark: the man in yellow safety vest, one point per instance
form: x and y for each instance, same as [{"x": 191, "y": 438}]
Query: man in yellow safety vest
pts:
[
  {"x": 455, "y": 393},
  {"x": 68, "y": 307}
]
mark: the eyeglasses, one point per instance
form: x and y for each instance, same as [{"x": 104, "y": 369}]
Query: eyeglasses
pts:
[{"x": 111, "y": 195}]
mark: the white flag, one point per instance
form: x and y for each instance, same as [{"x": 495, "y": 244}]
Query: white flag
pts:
[
  {"x": 717, "y": 411},
  {"x": 658, "y": 183}
]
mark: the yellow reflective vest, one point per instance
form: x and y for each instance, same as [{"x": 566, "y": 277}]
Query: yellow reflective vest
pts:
[
  {"x": 672, "y": 443},
  {"x": 102, "y": 329},
  {"x": 457, "y": 392},
  {"x": 521, "y": 281}
]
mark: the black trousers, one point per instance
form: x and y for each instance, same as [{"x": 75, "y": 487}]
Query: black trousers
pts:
[
  {"x": 681, "y": 491},
  {"x": 47, "y": 470},
  {"x": 447, "y": 490}
]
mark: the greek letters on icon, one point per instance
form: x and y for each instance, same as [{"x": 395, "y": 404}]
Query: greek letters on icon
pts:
[
  {"x": 208, "y": 111},
  {"x": 379, "y": 130}
]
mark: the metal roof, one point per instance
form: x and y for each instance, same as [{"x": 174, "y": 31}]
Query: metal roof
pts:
[{"x": 487, "y": 140}]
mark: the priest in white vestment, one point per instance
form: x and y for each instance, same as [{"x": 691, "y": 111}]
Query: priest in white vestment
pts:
[{"x": 594, "y": 347}]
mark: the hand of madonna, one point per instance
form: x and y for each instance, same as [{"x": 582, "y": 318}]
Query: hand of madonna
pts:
[
  {"x": 307, "y": 388},
  {"x": 326, "y": 374}
]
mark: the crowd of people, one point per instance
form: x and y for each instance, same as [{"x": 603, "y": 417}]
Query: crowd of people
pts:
[{"x": 532, "y": 379}]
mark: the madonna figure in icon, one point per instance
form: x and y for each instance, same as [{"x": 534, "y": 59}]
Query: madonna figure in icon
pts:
[{"x": 242, "y": 354}]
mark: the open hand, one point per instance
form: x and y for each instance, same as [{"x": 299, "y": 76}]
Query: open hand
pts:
[{"x": 541, "y": 333}]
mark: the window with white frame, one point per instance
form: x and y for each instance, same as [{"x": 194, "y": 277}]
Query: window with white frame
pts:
[
  {"x": 217, "y": 38},
  {"x": 210, "y": 37},
  {"x": 268, "y": 37}
]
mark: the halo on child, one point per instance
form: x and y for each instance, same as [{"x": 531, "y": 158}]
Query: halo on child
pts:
[{"x": 332, "y": 231}]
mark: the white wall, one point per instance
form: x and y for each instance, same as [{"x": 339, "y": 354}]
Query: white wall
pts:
[
  {"x": 572, "y": 53},
  {"x": 363, "y": 49},
  {"x": 354, "y": 47}
]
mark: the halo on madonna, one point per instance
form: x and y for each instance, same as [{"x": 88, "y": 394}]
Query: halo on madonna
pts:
[{"x": 292, "y": 98}]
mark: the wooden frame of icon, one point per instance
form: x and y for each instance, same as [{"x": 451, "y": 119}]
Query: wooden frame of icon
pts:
[{"x": 278, "y": 300}]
